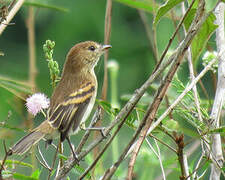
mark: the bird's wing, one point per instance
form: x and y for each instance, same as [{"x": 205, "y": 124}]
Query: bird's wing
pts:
[{"x": 68, "y": 114}]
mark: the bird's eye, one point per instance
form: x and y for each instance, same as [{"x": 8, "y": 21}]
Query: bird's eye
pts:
[{"x": 91, "y": 48}]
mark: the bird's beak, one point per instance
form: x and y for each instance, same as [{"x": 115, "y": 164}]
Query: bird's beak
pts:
[{"x": 105, "y": 47}]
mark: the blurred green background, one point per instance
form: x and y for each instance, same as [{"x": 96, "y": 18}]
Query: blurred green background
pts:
[{"x": 84, "y": 20}]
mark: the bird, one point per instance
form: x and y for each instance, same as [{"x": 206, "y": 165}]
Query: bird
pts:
[{"x": 72, "y": 100}]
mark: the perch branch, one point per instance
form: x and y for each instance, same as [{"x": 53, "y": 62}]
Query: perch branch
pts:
[
  {"x": 220, "y": 91},
  {"x": 12, "y": 13}
]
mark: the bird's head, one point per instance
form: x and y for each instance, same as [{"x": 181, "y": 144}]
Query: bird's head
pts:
[{"x": 85, "y": 55}]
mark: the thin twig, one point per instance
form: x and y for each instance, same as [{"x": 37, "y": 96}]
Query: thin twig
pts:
[
  {"x": 108, "y": 15},
  {"x": 150, "y": 35},
  {"x": 190, "y": 152},
  {"x": 219, "y": 96},
  {"x": 107, "y": 33},
  {"x": 196, "y": 167},
  {"x": 154, "y": 32},
  {"x": 175, "y": 24},
  {"x": 152, "y": 109},
  {"x": 180, "y": 154},
  {"x": 42, "y": 163},
  {"x": 84, "y": 139},
  {"x": 54, "y": 160},
  {"x": 123, "y": 112},
  {"x": 162, "y": 142},
  {"x": 109, "y": 172},
  {"x": 32, "y": 69},
  {"x": 104, "y": 148},
  {"x": 129, "y": 106},
  {"x": 180, "y": 97},
  {"x": 11, "y": 5},
  {"x": 12, "y": 13},
  {"x": 42, "y": 157},
  {"x": 192, "y": 77},
  {"x": 7, "y": 153},
  {"x": 134, "y": 99},
  {"x": 158, "y": 155},
  {"x": 173, "y": 36}
]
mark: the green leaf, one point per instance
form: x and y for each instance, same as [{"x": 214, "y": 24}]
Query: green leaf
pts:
[
  {"x": 200, "y": 40},
  {"x": 6, "y": 126},
  {"x": 61, "y": 156},
  {"x": 16, "y": 87},
  {"x": 164, "y": 9},
  {"x": 23, "y": 177},
  {"x": 210, "y": 5},
  {"x": 169, "y": 161},
  {"x": 18, "y": 163},
  {"x": 206, "y": 165},
  {"x": 218, "y": 130},
  {"x": 195, "y": 5},
  {"x": 144, "y": 5},
  {"x": 36, "y": 174},
  {"x": 107, "y": 107},
  {"x": 79, "y": 170},
  {"x": 145, "y": 99},
  {"x": 43, "y": 5}
]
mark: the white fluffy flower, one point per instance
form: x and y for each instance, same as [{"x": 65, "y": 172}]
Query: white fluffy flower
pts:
[{"x": 36, "y": 103}]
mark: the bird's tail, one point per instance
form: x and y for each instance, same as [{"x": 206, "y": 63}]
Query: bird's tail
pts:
[{"x": 25, "y": 143}]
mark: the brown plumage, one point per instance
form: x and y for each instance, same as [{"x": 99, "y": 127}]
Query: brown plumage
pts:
[{"x": 72, "y": 99}]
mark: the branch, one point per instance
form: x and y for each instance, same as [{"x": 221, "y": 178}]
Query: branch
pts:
[
  {"x": 30, "y": 23},
  {"x": 151, "y": 35},
  {"x": 94, "y": 120},
  {"x": 158, "y": 154},
  {"x": 152, "y": 109},
  {"x": 108, "y": 15},
  {"x": 123, "y": 112},
  {"x": 134, "y": 99},
  {"x": 161, "y": 92},
  {"x": 104, "y": 148},
  {"x": 7, "y": 153},
  {"x": 12, "y": 13},
  {"x": 173, "y": 36},
  {"x": 219, "y": 97},
  {"x": 195, "y": 91},
  {"x": 182, "y": 158},
  {"x": 180, "y": 97},
  {"x": 107, "y": 33}
]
